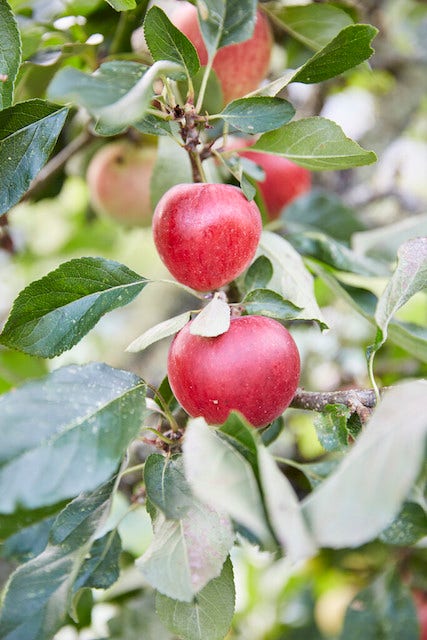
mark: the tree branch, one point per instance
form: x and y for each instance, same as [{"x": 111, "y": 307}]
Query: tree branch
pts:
[{"x": 360, "y": 401}]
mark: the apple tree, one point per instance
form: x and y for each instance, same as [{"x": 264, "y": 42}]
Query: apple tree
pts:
[{"x": 172, "y": 174}]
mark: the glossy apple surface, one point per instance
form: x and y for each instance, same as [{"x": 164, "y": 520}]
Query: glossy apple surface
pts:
[
  {"x": 118, "y": 179},
  {"x": 253, "y": 368},
  {"x": 206, "y": 234},
  {"x": 240, "y": 67}
]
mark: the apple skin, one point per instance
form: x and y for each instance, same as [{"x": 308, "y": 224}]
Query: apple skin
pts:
[
  {"x": 206, "y": 234},
  {"x": 253, "y": 368},
  {"x": 240, "y": 67},
  {"x": 420, "y": 598},
  {"x": 118, "y": 179}
]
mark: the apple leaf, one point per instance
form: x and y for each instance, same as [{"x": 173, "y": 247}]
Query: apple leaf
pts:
[
  {"x": 101, "y": 567},
  {"x": 228, "y": 482},
  {"x": 52, "y": 314},
  {"x": 348, "y": 49},
  {"x": 259, "y": 274},
  {"x": 209, "y": 616},
  {"x": 265, "y": 302},
  {"x": 160, "y": 331},
  {"x": 213, "y": 320},
  {"x": 39, "y": 593},
  {"x": 10, "y": 54},
  {"x": 257, "y": 114},
  {"x": 76, "y": 422},
  {"x": 117, "y": 94},
  {"x": 409, "y": 526},
  {"x": 331, "y": 427},
  {"x": 166, "y": 42},
  {"x": 291, "y": 279},
  {"x": 352, "y": 507},
  {"x": 315, "y": 143},
  {"x": 384, "y": 242},
  {"x": 225, "y": 22},
  {"x": 28, "y": 133},
  {"x": 187, "y": 553},
  {"x": 122, "y": 5},
  {"x": 313, "y": 25},
  {"x": 166, "y": 486}
]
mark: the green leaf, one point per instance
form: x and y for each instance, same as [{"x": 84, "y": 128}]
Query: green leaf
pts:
[
  {"x": 10, "y": 54},
  {"x": 237, "y": 431},
  {"x": 366, "y": 491},
  {"x": 39, "y": 593},
  {"x": 166, "y": 486},
  {"x": 213, "y": 320},
  {"x": 409, "y": 277},
  {"x": 76, "y": 423},
  {"x": 166, "y": 42},
  {"x": 28, "y": 133},
  {"x": 284, "y": 510},
  {"x": 318, "y": 245},
  {"x": 117, "y": 94},
  {"x": 172, "y": 167},
  {"x": 225, "y": 22},
  {"x": 259, "y": 274},
  {"x": 331, "y": 427},
  {"x": 257, "y": 114},
  {"x": 268, "y": 303},
  {"x": 16, "y": 368},
  {"x": 137, "y": 619},
  {"x": 313, "y": 25},
  {"x": 385, "y": 609},
  {"x": 210, "y": 614},
  {"x": 409, "y": 526},
  {"x": 160, "y": 331},
  {"x": 315, "y": 143},
  {"x": 323, "y": 211},
  {"x": 22, "y": 519},
  {"x": 350, "y": 47},
  {"x": 122, "y": 5},
  {"x": 52, "y": 314},
  {"x": 228, "y": 482},
  {"x": 187, "y": 553},
  {"x": 291, "y": 279},
  {"x": 28, "y": 542},
  {"x": 101, "y": 568}
]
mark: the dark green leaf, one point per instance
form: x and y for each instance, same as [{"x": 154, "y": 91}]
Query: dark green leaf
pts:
[
  {"x": 166, "y": 485},
  {"x": 385, "y": 609},
  {"x": 52, "y": 314},
  {"x": 315, "y": 143},
  {"x": 39, "y": 593},
  {"x": 153, "y": 126},
  {"x": 323, "y": 211},
  {"x": 265, "y": 302},
  {"x": 331, "y": 427},
  {"x": 28, "y": 542},
  {"x": 314, "y": 25},
  {"x": 22, "y": 519},
  {"x": 10, "y": 54},
  {"x": 71, "y": 429},
  {"x": 166, "y": 42},
  {"x": 208, "y": 616},
  {"x": 101, "y": 568},
  {"x": 225, "y": 22},
  {"x": 350, "y": 47},
  {"x": 259, "y": 274},
  {"x": 257, "y": 114},
  {"x": 28, "y": 133},
  {"x": 408, "y": 527},
  {"x": 317, "y": 472},
  {"x": 237, "y": 432}
]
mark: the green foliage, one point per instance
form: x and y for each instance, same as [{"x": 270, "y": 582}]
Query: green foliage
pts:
[
  {"x": 257, "y": 114},
  {"x": 227, "y": 22},
  {"x": 11, "y": 44}
]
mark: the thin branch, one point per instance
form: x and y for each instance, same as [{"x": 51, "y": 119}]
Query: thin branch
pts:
[
  {"x": 360, "y": 401},
  {"x": 57, "y": 163}
]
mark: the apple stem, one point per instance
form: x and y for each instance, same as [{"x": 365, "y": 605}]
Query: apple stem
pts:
[{"x": 197, "y": 168}]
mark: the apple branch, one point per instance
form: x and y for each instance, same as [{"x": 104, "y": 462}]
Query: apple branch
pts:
[{"x": 360, "y": 401}]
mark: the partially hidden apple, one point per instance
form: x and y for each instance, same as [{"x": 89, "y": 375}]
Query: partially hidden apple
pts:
[
  {"x": 118, "y": 179},
  {"x": 253, "y": 368},
  {"x": 240, "y": 67},
  {"x": 206, "y": 234}
]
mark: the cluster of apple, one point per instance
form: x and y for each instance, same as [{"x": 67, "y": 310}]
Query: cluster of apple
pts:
[{"x": 207, "y": 235}]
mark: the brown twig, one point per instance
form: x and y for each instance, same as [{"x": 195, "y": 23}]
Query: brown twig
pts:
[
  {"x": 57, "y": 163},
  {"x": 360, "y": 401}
]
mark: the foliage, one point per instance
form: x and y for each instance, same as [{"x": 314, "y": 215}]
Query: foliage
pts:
[{"x": 243, "y": 524}]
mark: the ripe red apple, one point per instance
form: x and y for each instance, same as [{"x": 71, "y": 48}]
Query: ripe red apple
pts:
[
  {"x": 253, "y": 368},
  {"x": 206, "y": 234},
  {"x": 118, "y": 178},
  {"x": 420, "y": 598},
  {"x": 240, "y": 67}
]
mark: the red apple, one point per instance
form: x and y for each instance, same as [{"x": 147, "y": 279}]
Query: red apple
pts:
[
  {"x": 206, "y": 234},
  {"x": 253, "y": 368},
  {"x": 240, "y": 67},
  {"x": 420, "y": 598},
  {"x": 118, "y": 178}
]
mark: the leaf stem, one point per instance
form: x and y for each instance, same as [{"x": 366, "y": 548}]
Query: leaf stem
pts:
[{"x": 204, "y": 83}]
